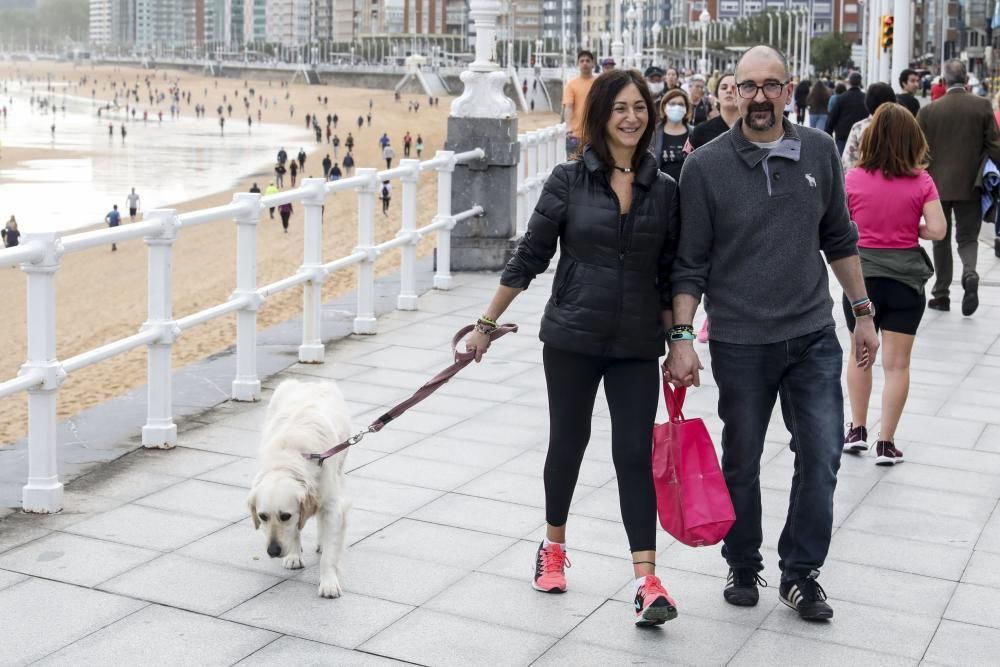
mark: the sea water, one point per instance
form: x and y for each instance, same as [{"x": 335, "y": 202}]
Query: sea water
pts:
[{"x": 168, "y": 162}]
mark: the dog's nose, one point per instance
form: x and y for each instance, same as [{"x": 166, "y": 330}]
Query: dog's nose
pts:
[{"x": 273, "y": 549}]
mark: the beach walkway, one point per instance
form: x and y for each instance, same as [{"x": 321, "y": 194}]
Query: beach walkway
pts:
[{"x": 155, "y": 560}]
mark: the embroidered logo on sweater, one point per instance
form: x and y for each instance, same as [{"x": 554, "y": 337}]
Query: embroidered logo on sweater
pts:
[{"x": 811, "y": 180}]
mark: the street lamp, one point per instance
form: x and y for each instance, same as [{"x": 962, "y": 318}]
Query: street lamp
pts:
[
  {"x": 655, "y": 29},
  {"x": 630, "y": 17},
  {"x": 617, "y": 47},
  {"x": 605, "y": 44},
  {"x": 704, "y": 18}
]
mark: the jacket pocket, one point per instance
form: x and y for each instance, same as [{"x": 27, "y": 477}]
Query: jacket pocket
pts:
[{"x": 564, "y": 284}]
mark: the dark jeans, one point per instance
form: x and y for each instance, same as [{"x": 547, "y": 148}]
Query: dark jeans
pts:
[
  {"x": 632, "y": 389},
  {"x": 805, "y": 373},
  {"x": 968, "y": 218}
]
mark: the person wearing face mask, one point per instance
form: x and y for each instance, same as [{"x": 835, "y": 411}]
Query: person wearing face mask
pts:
[
  {"x": 613, "y": 216},
  {"x": 654, "y": 79},
  {"x": 725, "y": 91},
  {"x": 671, "y": 137}
]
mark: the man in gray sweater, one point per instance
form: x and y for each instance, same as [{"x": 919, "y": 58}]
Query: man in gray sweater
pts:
[{"x": 758, "y": 207}]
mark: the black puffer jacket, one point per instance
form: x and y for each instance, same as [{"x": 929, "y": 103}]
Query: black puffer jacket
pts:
[{"x": 613, "y": 279}]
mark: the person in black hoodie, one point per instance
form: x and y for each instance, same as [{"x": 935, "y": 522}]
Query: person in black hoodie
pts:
[
  {"x": 847, "y": 110},
  {"x": 801, "y": 97},
  {"x": 614, "y": 217}
]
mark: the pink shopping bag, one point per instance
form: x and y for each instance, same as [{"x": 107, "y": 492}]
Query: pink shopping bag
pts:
[{"x": 691, "y": 494}]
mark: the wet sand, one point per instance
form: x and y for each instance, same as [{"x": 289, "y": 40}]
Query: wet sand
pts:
[{"x": 101, "y": 296}]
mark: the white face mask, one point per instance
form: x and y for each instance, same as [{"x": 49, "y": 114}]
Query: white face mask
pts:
[
  {"x": 675, "y": 114},
  {"x": 656, "y": 88}
]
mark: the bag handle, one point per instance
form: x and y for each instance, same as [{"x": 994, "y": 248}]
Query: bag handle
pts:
[{"x": 674, "y": 400}]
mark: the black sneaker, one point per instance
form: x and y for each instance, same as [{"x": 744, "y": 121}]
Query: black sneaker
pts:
[
  {"x": 886, "y": 453},
  {"x": 741, "y": 586},
  {"x": 807, "y": 597},
  {"x": 856, "y": 440},
  {"x": 940, "y": 303},
  {"x": 970, "y": 302}
]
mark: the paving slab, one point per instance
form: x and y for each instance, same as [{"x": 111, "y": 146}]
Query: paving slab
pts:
[
  {"x": 436, "y": 543},
  {"x": 305, "y": 653},
  {"x": 963, "y": 644},
  {"x": 221, "y": 502},
  {"x": 766, "y": 647},
  {"x": 74, "y": 559},
  {"x": 147, "y": 527},
  {"x": 973, "y": 604}
]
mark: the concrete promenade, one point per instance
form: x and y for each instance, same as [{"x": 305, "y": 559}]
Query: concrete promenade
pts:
[{"x": 154, "y": 560}]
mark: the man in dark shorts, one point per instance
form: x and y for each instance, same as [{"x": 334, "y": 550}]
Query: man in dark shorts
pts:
[{"x": 133, "y": 204}]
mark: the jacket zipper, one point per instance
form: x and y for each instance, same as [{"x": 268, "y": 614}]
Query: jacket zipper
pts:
[{"x": 622, "y": 240}]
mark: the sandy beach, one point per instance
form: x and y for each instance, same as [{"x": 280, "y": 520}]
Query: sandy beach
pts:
[{"x": 102, "y": 295}]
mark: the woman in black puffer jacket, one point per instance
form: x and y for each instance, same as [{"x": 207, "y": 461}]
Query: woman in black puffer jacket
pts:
[{"x": 615, "y": 218}]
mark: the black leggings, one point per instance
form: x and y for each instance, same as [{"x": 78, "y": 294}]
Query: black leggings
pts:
[{"x": 631, "y": 387}]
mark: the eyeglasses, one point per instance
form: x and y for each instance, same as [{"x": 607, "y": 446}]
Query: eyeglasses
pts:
[{"x": 772, "y": 89}]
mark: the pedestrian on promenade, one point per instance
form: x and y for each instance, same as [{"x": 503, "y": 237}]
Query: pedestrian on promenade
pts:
[
  {"x": 335, "y": 172},
  {"x": 302, "y": 158},
  {"x": 285, "y": 211},
  {"x": 387, "y": 154},
  {"x": 420, "y": 146},
  {"x": 255, "y": 188},
  {"x": 606, "y": 319},
  {"x": 575, "y": 98},
  {"x": 909, "y": 82},
  {"x": 133, "y": 204},
  {"x": 847, "y": 110},
  {"x": 336, "y": 146},
  {"x": 10, "y": 233},
  {"x": 369, "y": 119},
  {"x": 407, "y": 143},
  {"x": 961, "y": 132},
  {"x": 349, "y": 142},
  {"x": 772, "y": 329},
  {"x": 349, "y": 163},
  {"x": 801, "y": 100},
  {"x": 293, "y": 172},
  {"x": 271, "y": 189},
  {"x": 877, "y": 95},
  {"x": 671, "y": 135},
  {"x": 279, "y": 174},
  {"x": 361, "y": 122},
  {"x": 383, "y": 141},
  {"x": 888, "y": 193},
  {"x": 113, "y": 218},
  {"x": 725, "y": 92},
  {"x": 327, "y": 164},
  {"x": 336, "y": 118},
  {"x": 282, "y": 155},
  {"x": 818, "y": 103},
  {"x": 386, "y": 196},
  {"x": 124, "y": 132}
]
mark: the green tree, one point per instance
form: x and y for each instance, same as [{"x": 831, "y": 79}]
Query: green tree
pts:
[{"x": 830, "y": 53}]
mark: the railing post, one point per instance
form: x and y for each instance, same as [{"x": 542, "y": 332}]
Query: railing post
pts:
[
  {"x": 408, "y": 264},
  {"x": 44, "y": 492},
  {"x": 534, "y": 138},
  {"x": 553, "y": 157},
  {"x": 312, "y": 350},
  {"x": 561, "y": 129},
  {"x": 442, "y": 276},
  {"x": 522, "y": 195},
  {"x": 246, "y": 385},
  {"x": 160, "y": 432},
  {"x": 544, "y": 163},
  {"x": 364, "y": 322}
]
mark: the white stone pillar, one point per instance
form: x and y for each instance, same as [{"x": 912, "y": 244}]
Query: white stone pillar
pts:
[
  {"x": 246, "y": 385},
  {"x": 902, "y": 40},
  {"x": 160, "y": 432},
  {"x": 312, "y": 350},
  {"x": 365, "y": 322},
  {"x": 44, "y": 492},
  {"x": 442, "y": 277},
  {"x": 484, "y": 81},
  {"x": 408, "y": 263},
  {"x": 617, "y": 45}
]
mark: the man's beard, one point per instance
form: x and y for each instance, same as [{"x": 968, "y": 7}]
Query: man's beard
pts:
[{"x": 760, "y": 125}]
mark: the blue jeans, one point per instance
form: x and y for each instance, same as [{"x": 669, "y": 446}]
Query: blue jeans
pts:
[
  {"x": 805, "y": 373},
  {"x": 817, "y": 121}
]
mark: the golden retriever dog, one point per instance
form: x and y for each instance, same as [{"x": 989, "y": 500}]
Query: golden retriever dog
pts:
[{"x": 303, "y": 418}]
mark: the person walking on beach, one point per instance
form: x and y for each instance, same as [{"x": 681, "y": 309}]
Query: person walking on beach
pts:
[
  {"x": 888, "y": 193},
  {"x": 388, "y": 154},
  {"x": 335, "y": 172},
  {"x": 133, "y": 204},
  {"x": 327, "y": 165},
  {"x": 282, "y": 155},
  {"x": 113, "y": 218},
  {"x": 614, "y": 185},
  {"x": 279, "y": 174},
  {"x": 302, "y": 158},
  {"x": 124, "y": 132},
  {"x": 349, "y": 163},
  {"x": 361, "y": 122},
  {"x": 222, "y": 125},
  {"x": 111, "y": 131},
  {"x": 255, "y": 188},
  {"x": 271, "y": 189},
  {"x": 773, "y": 333},
  {"x": 336, "y": 147},
  {"x": 335, "y": 119},
  {"x": 383, "y": 141},
  {"x": 961, "y": 131},
  {"x": 293, "y": 172},
  {"x": 10, "y": 233},
  {"x": 407, "y": 144},
  {"x": 420, "y": 146},
  {"x": 349, "y": 143},
  {"x": 575, "y": 97},
  {"x": 386, "y": 196},
  {"x": 285, "y": 211}
]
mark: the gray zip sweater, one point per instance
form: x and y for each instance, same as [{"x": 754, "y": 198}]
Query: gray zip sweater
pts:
[{"x": 753, "y": 223}]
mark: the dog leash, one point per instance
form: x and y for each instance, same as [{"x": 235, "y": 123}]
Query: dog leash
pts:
[{"x": 462, "y": 359}]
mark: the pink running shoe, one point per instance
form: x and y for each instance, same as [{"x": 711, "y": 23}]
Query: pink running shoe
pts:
[
  {"x": 653, "y": 605},
  {"x": 703, "y": 332},
  {"x": 550, "y": 569}
]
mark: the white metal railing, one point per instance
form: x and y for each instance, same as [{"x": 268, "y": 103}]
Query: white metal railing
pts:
[{"x": 39, "y": 256}]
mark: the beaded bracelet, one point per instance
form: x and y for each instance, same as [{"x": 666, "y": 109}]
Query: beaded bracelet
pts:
[
  {"x": 681, "y": 332},
  {"x": 486, "y": 320},
  {"x": 484, "y": 328}
]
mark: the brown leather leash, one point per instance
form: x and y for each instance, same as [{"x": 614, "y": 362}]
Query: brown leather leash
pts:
[{"x": 462, "y": 359}]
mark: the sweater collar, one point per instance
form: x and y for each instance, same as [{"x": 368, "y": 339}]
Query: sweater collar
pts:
[
  {"x": 645, "y": 174},
  {"x": 790, "y": 146}
]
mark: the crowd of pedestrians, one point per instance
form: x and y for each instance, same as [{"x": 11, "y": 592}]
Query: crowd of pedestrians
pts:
[{"x": 743, "y": 191}]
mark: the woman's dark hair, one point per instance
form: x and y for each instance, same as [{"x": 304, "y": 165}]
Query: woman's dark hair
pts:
[
  {"x": 599, "y": 106},
  {"x": 877, "y": 95},
  {"x": 893, "y": 143},
  {"x": 841, "y": 87}
]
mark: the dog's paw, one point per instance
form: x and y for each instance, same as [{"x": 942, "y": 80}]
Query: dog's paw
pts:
[
  {"x": 292, "y": 562},
  {"x": 329, "y": 587}
]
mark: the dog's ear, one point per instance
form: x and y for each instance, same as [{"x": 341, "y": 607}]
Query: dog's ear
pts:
[
  {"x": 307, "y": 507},
  {"x": 252, "y": 505}
]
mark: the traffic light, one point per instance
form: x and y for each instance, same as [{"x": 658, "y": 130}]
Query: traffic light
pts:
[{"x": 887, "y": 23}]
